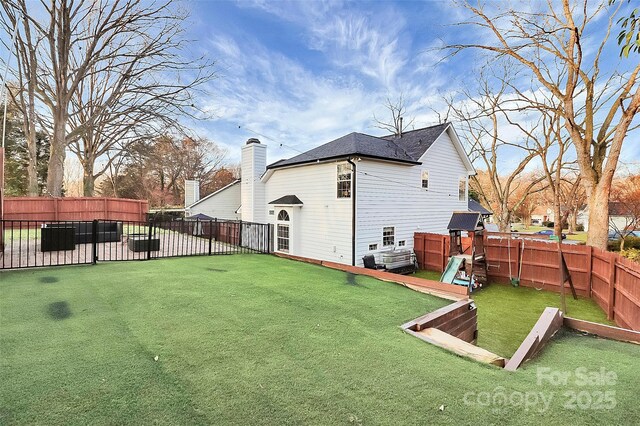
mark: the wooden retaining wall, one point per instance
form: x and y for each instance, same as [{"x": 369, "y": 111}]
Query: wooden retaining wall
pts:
[
  {"x": 41, "y": 209},
  {"x": 612, "y": 281},
  {"x": 459, "y": 319}
]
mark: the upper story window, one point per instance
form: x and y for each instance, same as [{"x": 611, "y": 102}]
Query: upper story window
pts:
[
  {"x": 283, "y": 215},
  {"x": 344, "y": 180},
  {"x": 462, "y": 189},
  {"x": 425, "y": 179},
  {"x": 388, "y": 236}
]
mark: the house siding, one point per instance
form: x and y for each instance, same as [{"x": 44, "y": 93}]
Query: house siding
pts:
[
  {"x": 222, "y": 205},
  {"x": 321, "y": 228},
  {"x": 391, "y": 195}
]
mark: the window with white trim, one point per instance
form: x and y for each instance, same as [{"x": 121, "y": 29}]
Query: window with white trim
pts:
[
  {"x": 283, "y": 231},
  {"x": 283, "y": 238},
  {"x": 388, "y": 236},
  {"x": 402, "y": 243},
  {"x": 283, "y": 215},
  {"x": 462, "y": 189},
  {"x": 425, "y": 179},
  {"x": 373, "y": 247},
  {"x": 344, "y": 181}
]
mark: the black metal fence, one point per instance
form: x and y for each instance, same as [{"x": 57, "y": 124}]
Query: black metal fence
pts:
[{"x": 28, "y": 244}]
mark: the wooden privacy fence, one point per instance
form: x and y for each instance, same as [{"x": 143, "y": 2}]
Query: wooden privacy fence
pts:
[
  {"x": 612, "y": 281},
  {"x": 79, "y": 209}
]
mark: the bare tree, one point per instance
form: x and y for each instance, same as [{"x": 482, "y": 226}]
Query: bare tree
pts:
[
  {"x": 482, "y": 116},
  {"x": 548, "y": 42},
  {"x": 103, "y": 67},
  {"x": 625, "y": 206},
  {"x": 23, "y": 95},
  {"x": 397, "y": 124}
]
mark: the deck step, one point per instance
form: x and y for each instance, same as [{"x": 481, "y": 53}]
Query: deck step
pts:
[{"x": 460, "y": 347}]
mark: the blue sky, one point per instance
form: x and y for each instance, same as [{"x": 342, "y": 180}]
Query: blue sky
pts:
[{"x": 304, "y": 73}]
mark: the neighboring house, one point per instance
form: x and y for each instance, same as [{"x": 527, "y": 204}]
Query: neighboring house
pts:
[
  {"x": 542, "y": 214},
  {"x": 622, "y": 218},
  {"x": 356, "y": 195},
  {"x": 222, "y": 204}
]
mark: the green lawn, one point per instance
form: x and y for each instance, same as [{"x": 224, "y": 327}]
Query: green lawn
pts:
[
  {"x": 578, "y": 236},
  {"x": 249, "y": 339},
  {"x": 506, "y": 314}
]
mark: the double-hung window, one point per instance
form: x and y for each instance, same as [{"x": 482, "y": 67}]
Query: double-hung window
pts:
[
  {"x": 462, "y": 189},
  {"x": 344, "y": 181},
  {"x": 425, "y": 179},
  {"x": 388, "y": 236}
]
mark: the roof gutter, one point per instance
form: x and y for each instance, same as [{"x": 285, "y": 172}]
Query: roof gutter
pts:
[{"x": 353, "y": 211}]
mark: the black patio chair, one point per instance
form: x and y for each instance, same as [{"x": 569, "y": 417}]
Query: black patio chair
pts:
[{"x": 370, "y": 262}]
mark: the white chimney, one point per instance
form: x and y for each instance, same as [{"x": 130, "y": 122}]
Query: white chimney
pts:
[
  {"x": 253, "y": 165},
  {"x": 191, "y": 192}
]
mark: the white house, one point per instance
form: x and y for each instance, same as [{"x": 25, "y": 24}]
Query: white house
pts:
[
  {"x": 222, "y": 204},
  {"x": 353, "y": 196}
]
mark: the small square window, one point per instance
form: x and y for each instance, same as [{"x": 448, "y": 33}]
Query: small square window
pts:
[
  {"x": 373, "y": 247},
  {"x": 425, "y": 179},
  {"x": 272, "y": 212},
  {"x": 388, "y": 236},
  {"x": 401, "y": 243}
]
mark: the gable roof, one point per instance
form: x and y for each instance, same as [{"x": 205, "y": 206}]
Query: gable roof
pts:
[
  {"x": 235, "y": 182},
  {"x": 475, "y": 206},
  {"x": 406, "y": 149},
  {"x": 287, "y": 200},
  {"x": 416, "y": 142}
]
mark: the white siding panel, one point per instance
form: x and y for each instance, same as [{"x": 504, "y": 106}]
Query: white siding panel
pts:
[
  {"x": 391, "y": 195},
  {"x": 321, "y": 228},
  {"x": 223, "y": 205}
]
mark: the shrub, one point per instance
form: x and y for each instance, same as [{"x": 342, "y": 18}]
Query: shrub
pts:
[
  {"x": 580, "y": 227},
  {"x": 631, "y": 254},
  {"x": 629, "y": 243},
  {"x": 547, "y": 224}
]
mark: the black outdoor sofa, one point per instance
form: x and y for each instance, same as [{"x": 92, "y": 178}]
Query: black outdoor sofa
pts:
[{"x": 57, "y": 236}]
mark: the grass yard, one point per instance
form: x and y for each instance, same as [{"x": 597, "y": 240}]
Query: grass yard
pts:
[
  {"x": 249, "y": 339},
  {"x": 578, "y": 236},
  {"x": 506, "y": 314}
]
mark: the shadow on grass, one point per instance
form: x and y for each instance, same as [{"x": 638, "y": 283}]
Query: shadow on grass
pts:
[
  {"x": 351, "y": 279},
  {"x": 59, "y": 310},
  {"x": 215, "y": 270},
  {"x": 49, "y": 280}
]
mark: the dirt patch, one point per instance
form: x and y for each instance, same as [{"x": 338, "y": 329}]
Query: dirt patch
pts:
[
  {"x": 59, "y": 310},
  {"x": 49, "y": 280}
]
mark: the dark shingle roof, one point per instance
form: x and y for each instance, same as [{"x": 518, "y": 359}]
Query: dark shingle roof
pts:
[
  {"x": 416, "y": 142},
  {"x": 464, "y": 221},
  {"x": 475, "y": 206},
  {"x": 406, "y": 149},
  {"x": 199, "y": 216},
  {"x": 287, "y": 200}
]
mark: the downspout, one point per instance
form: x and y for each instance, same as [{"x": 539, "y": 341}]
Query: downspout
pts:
[{"x": 353, "y": 212}]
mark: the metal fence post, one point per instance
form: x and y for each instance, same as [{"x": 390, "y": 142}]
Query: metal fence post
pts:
[
  {"x": 210, "y": 235},
  {"x": 94, "y": 241},
  {"x": 149, "y": 239}
]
